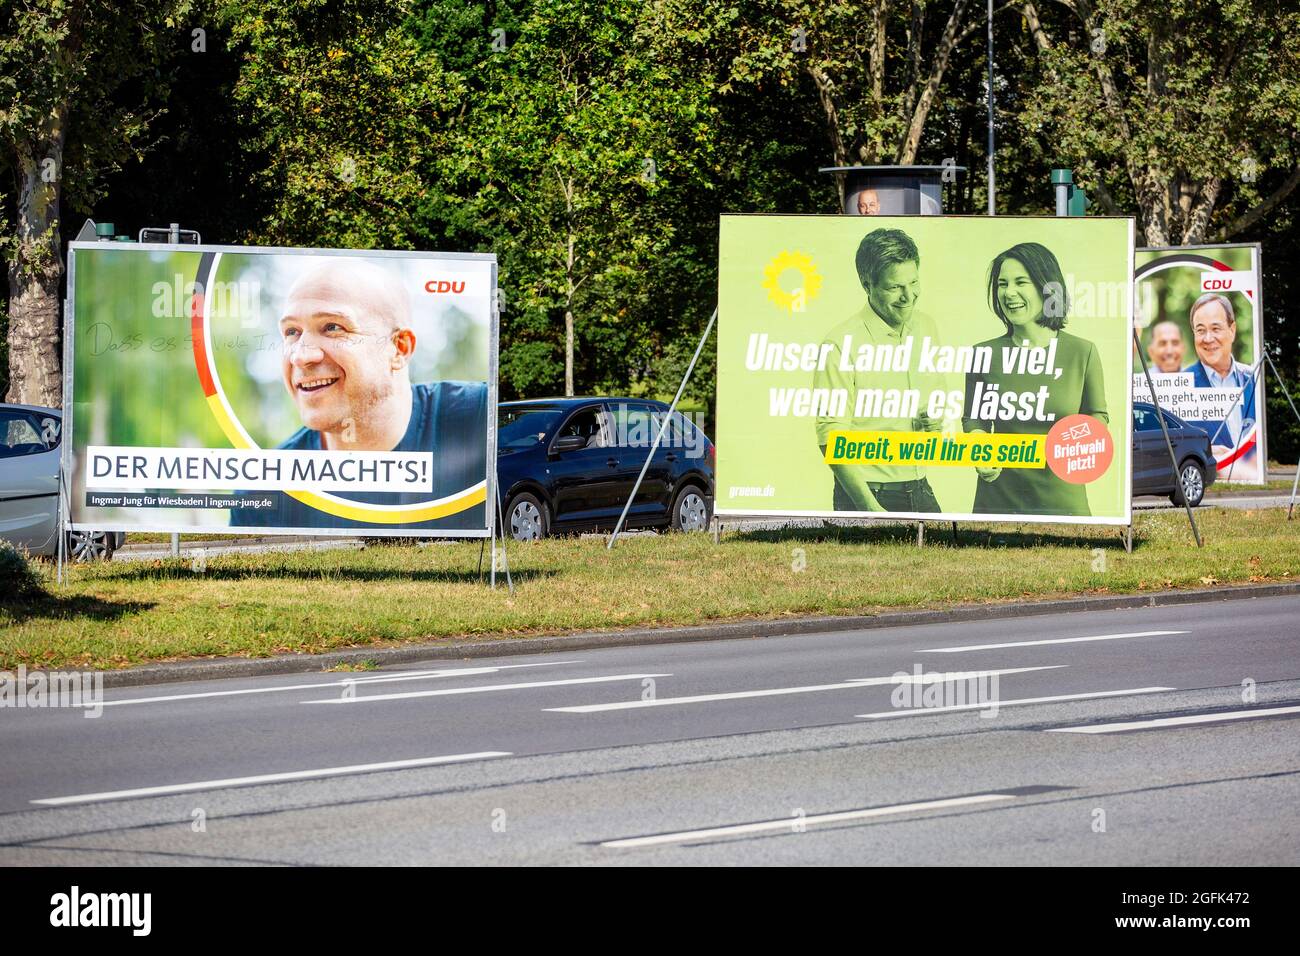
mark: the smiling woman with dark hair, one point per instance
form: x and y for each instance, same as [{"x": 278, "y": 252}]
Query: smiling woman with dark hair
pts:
[{"x": 1027, "y": 292}]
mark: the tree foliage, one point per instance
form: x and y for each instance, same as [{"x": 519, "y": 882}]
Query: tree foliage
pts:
[
  {"x": 1183, "y": 111},
  {"x": 592, "y": 146},
  {"x": 345, "y": 112},
  {"x": 80, "y": 81}
]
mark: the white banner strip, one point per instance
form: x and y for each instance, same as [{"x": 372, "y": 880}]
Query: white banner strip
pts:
[
  {"x": 1242, "y": 281},
  {"x": 123, "y": 468}
]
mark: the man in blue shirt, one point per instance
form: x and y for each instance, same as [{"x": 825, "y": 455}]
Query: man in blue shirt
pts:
[
  {"x": 1214, "y": 329},
  {"x": 347, "y": 346}
]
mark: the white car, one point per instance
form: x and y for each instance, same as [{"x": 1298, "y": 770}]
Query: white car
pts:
[{"x": 29, "y": 487}]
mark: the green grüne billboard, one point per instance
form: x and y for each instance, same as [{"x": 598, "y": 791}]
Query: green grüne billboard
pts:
[
  {"x": 925, "y": 367},
  {"x": 279, "y": 390}
]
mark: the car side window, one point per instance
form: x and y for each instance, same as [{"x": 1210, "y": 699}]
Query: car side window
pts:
[
  {"x": 635, "y": 426},
  {"x": 591, "y": 424},
  {"x": 18, "y": 436},
  {"x": 51, "y": 430},
  {"x": 1144, "y": 421}
]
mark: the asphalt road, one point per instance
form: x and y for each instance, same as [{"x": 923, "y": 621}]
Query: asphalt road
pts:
[{"x": 1158, "y": 735}]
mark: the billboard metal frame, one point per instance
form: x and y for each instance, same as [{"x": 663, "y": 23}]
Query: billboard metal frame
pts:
[{"x": 69, "y": 326}]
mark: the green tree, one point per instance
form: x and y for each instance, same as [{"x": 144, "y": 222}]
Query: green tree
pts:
[
  {"x": 1185, "y": 110},
  {"x": 80, "y": 81},
  {"x": 571, "y": 157},
  {"x": 877, "y": 69},
  {"x": 345, "y": 114}
]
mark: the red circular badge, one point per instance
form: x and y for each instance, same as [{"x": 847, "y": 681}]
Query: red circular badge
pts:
[{"x": 1079, "y": 449}]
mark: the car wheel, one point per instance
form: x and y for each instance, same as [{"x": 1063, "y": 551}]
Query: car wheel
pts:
[
  {"x": 690, "y": 510},
  {"x": 83, "y": 546},
  {"x": 1193, "y": 484},
  {"x": 526, "y": 518}
]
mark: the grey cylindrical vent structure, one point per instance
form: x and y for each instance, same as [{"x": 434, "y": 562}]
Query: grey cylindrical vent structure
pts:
[{"x": 894, "y": 190}]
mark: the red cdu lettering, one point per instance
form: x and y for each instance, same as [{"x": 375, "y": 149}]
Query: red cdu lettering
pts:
[{"x": 437, "y": 286}]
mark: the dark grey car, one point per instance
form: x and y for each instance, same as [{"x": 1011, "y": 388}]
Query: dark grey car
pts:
[
  {"x": 29, "y": 487},
  {"x": 1152, "y": 473}
]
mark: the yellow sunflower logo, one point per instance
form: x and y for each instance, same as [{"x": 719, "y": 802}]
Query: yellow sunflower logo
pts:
[{"x": 801, "y": 282}]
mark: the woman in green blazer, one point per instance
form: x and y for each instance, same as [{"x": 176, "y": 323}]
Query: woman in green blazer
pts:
[{"x": 1027, "y": 292}]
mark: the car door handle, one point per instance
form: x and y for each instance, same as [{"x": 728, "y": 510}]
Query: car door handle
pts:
[
  {"x": 671, "y": 456},
  {"x": 612, "y": 462}
]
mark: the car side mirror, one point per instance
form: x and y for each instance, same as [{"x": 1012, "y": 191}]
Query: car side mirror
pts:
[{"x": 569, "y": 443}]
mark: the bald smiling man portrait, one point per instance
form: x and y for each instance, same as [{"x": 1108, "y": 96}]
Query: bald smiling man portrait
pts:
[{"x": 346, "y": 348}]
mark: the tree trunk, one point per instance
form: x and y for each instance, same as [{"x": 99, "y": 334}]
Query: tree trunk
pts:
[
  {"x": 1197, "y": 224},
  {"x": 911, "y": 143},
  {"x": 35, "y": 269},
  {"x": 566, "y": 185},
  {"x": 1035, "y": 25},
  {"x": 825, "y": 87},
  {"x": 873, "y": 149},
  {"x": 568, "y": 353}
]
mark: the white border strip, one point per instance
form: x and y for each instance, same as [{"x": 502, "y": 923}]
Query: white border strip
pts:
[
  {"x": 957, "y": 649},
  {"x": 267, "y": 778},
  {"x": 791, "y": 824},
  {"x": 1174, "y": 721}
]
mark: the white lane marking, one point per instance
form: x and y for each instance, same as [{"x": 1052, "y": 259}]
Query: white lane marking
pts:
[
  {"x": 989, "y": 705},
  {"x": 1173, "y": 721},
  {"x": 268, "y": 778},
  {"x": 808, "y": 689},
  {"x": 957, "y": 649},
  {"x": 767, "y": 826},
  {"x": 376, "y": 679},
  {"x": 447, "y": 691}
]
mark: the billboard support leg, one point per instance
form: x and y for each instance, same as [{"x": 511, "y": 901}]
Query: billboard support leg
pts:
[
  {"x": 662, "y": 428},
  {"x": 1290, "y": 508},
  {"x": 1128, "y": 539},
  {"x": 61, "y": 530},
  {"x": 176, "y": 545},
  {"x": 920, "y": 534},
  {"x": 500, "y": 524},
  {"x": 717, "y": 530},
  {"x": 1164, "y": 430},
  {"x": 954, "y": 533},
  {"x": 482, "y": 549}
]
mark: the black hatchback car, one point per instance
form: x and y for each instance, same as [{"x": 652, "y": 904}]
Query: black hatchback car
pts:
[
  {"x": 1151, "y": 472},
  {"x": 569, "y": 464}
]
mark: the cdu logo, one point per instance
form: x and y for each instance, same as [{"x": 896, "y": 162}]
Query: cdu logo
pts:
[{"x": 444, "y": 286}]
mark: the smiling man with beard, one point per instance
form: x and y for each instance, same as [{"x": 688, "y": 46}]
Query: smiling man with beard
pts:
[
  {"x": 888, "y": 264},
  {"x": 347, "y": 345}
]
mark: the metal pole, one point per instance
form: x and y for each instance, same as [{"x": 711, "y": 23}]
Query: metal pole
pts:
[
  {"x": 1164, "y": 430},
  {"x": 63, "y": 535},
  {"x": 1290, "y": 509},
  {"x": 992, "y": 200},
  {"x": 492, "y": 529},
  {"x": 662, "y": 428},
  {"x": 1062, "y": 182},
  {"x": 505, "y": 561}
]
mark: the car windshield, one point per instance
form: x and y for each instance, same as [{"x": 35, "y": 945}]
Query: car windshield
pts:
[
  {"x": 520, "y": 428},
  {"x": 1144, "y": 418}
]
